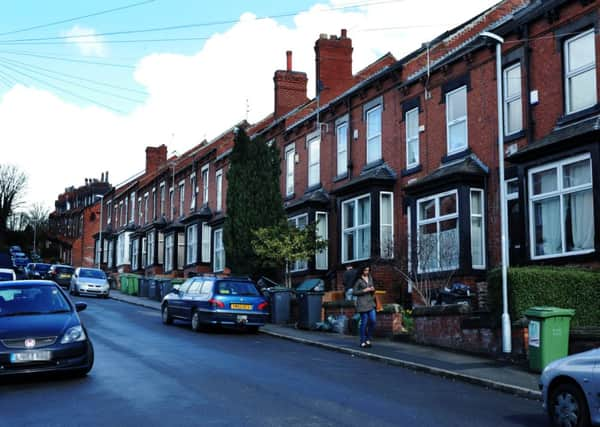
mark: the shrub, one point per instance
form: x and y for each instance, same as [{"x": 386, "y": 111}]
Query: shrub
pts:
[{"x": 564, "y": 287}]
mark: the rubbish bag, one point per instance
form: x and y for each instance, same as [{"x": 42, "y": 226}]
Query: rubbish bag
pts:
[{"x": 339, "y": 324}]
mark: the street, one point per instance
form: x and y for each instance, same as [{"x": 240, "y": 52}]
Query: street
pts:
[{"x": 154, "y": 375}]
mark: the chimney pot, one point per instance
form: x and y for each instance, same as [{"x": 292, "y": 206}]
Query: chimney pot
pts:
[
  {"x": 344, "y": 33},
  {"x": 289, "y": 60}
]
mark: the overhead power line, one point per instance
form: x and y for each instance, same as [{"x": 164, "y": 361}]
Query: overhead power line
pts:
[{"x": 81, "y": 61}]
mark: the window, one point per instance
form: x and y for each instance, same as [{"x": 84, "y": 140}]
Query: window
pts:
[
  {"x": 386, "y": 224},
  {"x": 580, "y": 72},
  {"x": 356, "y": 229},
  {"x": 219, "y": 182},
  {"x": 477, "y": 230},
  {"x": 314, "y": 162},
  {"x": 192, "y": 244},
  {"x": 163, "y": 195},
  {"x": 411, "y": 119},
  {"x": 132, "y": 207},
  {"x": 342, "y": 148},
  {"x": 561, "y": 208},
  {"x": 205, "y": 184},
  {"x": 122, "y": 212},
  {"x": 290, "y": 154},
  {"x": 374, "y": 134},
  {"x": 144, "y": 257},
  {"x": 146, "y": 208},
  {"x": 134, "y": 254},
  {"x": 105, "y": 246},
  {"x": 181, "y": 198},
  {"x": 125, "y": 219},
  {"x": 180, "y": 250},
  {"x": 169, "y": 247},
  {"x": 172, "y": 201},
  {"x": 321, "y": 257},
  {"x": 154, "y": 203},
  {"x": 108, "y": 212},
  {"x": 456, "y": 120},
  {"x": 206, "y": 230},
  {"x": 160, "y": 247},
  {"x": 150, "y": 259},
  {"x": 300, "y": 222},
  {"x": 194, "y": 187},
  {"x": 437, "y": 232},
  {"x": 513, "y": 114},
  {"x": 97, "y": 247},
  {"x": 219, "y": 251},
  {"x": 109, "y": 254},
  {"x": 123, "y": 248}
]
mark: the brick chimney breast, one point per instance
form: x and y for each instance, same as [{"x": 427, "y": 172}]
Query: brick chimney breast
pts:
[
  {"x": 290, "y": 88},
  {"x": 334, "y": 66},
  {"x": 155, "y": 158}
]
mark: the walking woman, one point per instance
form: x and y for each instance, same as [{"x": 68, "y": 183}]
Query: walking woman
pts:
[{"x": 364, "y": 291}]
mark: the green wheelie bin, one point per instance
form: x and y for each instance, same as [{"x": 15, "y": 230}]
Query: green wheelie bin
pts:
[{"x": 548, "y": 335}]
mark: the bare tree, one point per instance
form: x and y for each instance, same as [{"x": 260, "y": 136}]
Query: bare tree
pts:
[
  {"x": 12, "y": 187},
  {"x": 37, "y": 218}
]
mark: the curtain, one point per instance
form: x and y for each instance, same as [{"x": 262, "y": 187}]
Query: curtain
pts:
[
  {"x": 549, "y": 215},
  {"x": 582, "y": 220}
]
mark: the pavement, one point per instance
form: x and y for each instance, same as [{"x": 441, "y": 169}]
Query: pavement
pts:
[{"x": 486, "y": 372}]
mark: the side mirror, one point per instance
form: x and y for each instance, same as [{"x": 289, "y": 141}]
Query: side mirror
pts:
[
  {"x": 174, "y": 291},
  {"x": 80, "y": 306}
]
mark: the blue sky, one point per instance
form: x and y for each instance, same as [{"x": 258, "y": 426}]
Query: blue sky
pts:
[{"x": 95, "y": 106}]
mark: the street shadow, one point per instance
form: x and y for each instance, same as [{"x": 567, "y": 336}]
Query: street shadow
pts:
[
  {"x": 214, "y": 329},
  {"x": 528, "y": 420},
  {"x": 42, "y": 379}
]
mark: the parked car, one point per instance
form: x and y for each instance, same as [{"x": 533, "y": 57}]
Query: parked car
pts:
[
  {"x": 7, "y": 274},
  {"x": 36, "y": 270},
  {"x": 89, "y": 281},
  {"x": 13, "y": 249},
  {"x": 571, "y": 390},
  {"x": 19, "y": 261},
  {"x": 208, "y": 300},
  {"x": 40, "y": 330},
  {"x": 61, "y": 274}
]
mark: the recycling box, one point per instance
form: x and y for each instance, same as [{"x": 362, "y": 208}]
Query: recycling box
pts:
[{"x": 548, "y": 335}]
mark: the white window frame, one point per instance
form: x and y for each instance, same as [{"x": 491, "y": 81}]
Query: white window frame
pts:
[
  {"x": 219, "y": 249},
  {"x": 172, "y": 201},
  {"x": 437, "y": 219},
  {"x": 146, "y": 207},
  {"x": 204, "y": 172},
  {"x": 412, "y": 140},
  {"x": 456, "y": 121},
  {"x": 123, "y": 248},
  {"x": 356, "y": 227},
  {"x": 144, "y": 256},
  {"x": 151, "y": 244},
  {"x": 169, "y": 252},
  {"x": 132, "y": 207},
  {"x": 301, "y": 265},
  {"x": 314, "y": 162},
  {"x": 290, "y": 159},
  {"x": 322, "y": 256},
  {"x": 181, "y": 189},
  {"x": 511, "y": 99},
  {"x": 109, "y": 212},
  {"x": 219, "y": 185},
  {"x": 134, "y": 254},
  {"x": 559, "y": 192},
  {"x": 341, "y": 132},
  {"x": 139, "y": 207},
  {"x": 481, "y": 216},
  {"x": 163, "y": 198},
  {"x": 383, "y": 252},
  {"x": 206, "y": 244},
  {"x": 374, "y": 141},
  {"x": 191, "y": 239},
  {"x": 570, "y": 74}
]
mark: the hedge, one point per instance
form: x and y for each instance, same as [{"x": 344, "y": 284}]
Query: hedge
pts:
[{"x": 564, "y": 287}]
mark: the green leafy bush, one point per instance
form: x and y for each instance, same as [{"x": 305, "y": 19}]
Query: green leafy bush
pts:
[{"x": 564, "y": 287}]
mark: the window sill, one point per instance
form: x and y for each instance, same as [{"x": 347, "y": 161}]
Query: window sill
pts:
[
  {"x": 456, "y": 156},
  {"x": 411, "y": 170},
  {"x": 372, "y": 165},
  {"x": 289, "y": 197},
  {"x": 514, "y": 136},
  {"x": 313, "y": 188},
  {"x": 340, "y": 177},
  {"x": 572, "y": 117}
]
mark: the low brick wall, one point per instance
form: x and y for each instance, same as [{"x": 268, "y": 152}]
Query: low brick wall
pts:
[{"x": 388, "y": 324}]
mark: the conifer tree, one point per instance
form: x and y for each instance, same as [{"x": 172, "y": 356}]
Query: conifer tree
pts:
[{"x": 253, "y": 200}]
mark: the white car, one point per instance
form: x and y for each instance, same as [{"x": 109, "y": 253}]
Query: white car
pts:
[
  {"x": 571, "y": 390},
  {"x": 89, "y": 281},
  {"x": 7, "y": 274}
]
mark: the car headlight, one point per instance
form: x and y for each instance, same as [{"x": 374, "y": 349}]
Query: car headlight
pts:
[{"x": 73, "y": 334}]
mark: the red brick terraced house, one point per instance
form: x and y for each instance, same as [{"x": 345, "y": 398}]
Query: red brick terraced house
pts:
[{"x": 401, "y": 158}]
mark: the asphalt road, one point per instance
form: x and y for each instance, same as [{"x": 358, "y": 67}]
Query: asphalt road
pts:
[{"x": 148, "y": 374}]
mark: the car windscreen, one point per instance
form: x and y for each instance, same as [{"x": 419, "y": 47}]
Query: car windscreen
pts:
[
  {"x": 91, "y": 273},
  {"x": 42, "y": 268},
  {"x": 236, "y": 288},
  {"x": 64, "y": 270},
  {"x": 34, "y": 299},
  {"x": 5, "y": 276}
]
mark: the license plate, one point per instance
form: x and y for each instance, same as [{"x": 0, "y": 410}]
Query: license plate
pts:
[
  {"x": 241, "y": 306},
  {"x": 65, "y": 276},
  {"x": 242, "y": 318},
  {"x": 30, "y": 356}
]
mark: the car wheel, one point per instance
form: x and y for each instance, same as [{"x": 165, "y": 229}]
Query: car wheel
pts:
[
  {"x": 196, "y": 323},
  {"x": 568, "y": 407},
  {"x": 166, "y": 317},
  {"x": 74, "y": 290}
]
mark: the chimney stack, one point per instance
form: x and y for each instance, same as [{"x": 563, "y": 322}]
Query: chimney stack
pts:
[
  {"x": 334, "y": 66},
  {"x": 155, "y": 158},
  {"x": 106, "y": 176},
  {"x": 290, "y": 88},
  {"x": 102, "y": 177}
]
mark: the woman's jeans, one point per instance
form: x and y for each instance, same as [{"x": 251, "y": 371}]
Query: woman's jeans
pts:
[{"x": 367, "y": 325}]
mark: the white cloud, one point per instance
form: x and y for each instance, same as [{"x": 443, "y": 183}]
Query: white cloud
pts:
[
  {"x": 87, "y": 41},
  {"x": 198, "y": 96}
]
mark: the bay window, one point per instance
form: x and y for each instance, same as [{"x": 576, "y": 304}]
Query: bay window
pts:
[
  {"x": 300, "y": 222},
  {"x": 219, "y": 249},
  {"x": 477, "y": 230},
  {"x": 386, "y": 225},
  {"x": 192, "y": 244},
  {"x": 321, "y": 257},
  {"x": 169, "y": 252},
  {"x": 356, "y": 229},
  {"x": 206, "y": 230}
]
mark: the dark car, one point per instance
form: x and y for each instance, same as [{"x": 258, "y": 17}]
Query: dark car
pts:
[
  {"x": 37, "y": 270},
  {"x": 14, "y": 249},
  {"x": 20, "y": 260},
  {"x": 208, "y": 300},
  {"x": 61, "y": 274},
  {"x": 40, "y": 330}
]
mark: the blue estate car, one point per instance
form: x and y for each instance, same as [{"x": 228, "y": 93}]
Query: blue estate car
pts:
[
  {"x": 212, "y": 300},
  {"x": 40, "y": 330}
]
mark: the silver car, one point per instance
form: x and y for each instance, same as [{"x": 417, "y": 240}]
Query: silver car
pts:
[
  {"x": 571, "y": 390},
  {"x": 89, "y": 281}
]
